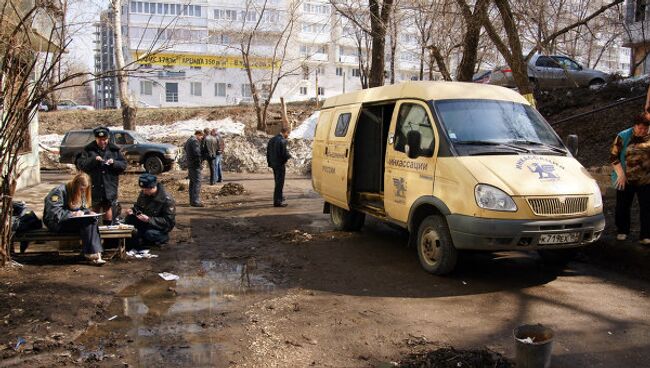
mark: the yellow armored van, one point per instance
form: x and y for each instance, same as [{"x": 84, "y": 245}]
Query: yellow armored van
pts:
[{"x": 460, "y": 165}]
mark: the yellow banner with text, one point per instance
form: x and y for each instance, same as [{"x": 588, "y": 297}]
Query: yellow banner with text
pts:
[{"x": 204, "y": 61}]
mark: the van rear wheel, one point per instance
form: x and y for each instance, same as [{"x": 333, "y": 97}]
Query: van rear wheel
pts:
[
  {"x": 346, "y": 220},
  {"x": 436, "y": 250}
]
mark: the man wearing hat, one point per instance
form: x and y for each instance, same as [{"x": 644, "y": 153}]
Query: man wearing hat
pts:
[
  {"x": 153, "y": 215},
  {"x": 193, "y": 155},
  {"x": 103, "y": 162}
]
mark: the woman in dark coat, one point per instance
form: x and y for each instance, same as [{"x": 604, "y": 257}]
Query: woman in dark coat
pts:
[{"x": 64, "y": 206}]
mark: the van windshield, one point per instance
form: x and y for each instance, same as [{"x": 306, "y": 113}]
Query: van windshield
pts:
[{"x": 492, "y": 126}]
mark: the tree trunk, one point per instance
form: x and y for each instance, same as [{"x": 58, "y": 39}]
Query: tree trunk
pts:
[
  {"x": 378, "y": 20},
  {"x": 473, "y": 24},
  {"x": 517, "y": 62},
  {"x": 440, "y": 60},
  {"x": 129, "y": 110}
]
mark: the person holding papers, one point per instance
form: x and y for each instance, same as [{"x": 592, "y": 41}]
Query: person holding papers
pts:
[{"x": 67, "y": 211}]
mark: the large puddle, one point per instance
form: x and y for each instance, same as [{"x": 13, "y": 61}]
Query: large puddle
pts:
[{"x": 175, "y": 323}]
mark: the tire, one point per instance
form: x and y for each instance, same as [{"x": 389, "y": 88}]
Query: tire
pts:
[
  {"x": 345, "y": 220},
  {"x": 558, "y": 257},
  {"x": 435, "y": 248},
  {"x": 596, "y": 82},
  {"x": 153, "y": 165}
]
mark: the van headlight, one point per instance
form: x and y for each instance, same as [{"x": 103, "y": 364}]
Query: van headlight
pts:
[
  {"x": 491, "y": 198},
  {"x": 598, "y": 197}
]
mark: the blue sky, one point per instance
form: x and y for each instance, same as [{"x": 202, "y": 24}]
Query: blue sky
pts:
[{"x": 82, "y": 14}]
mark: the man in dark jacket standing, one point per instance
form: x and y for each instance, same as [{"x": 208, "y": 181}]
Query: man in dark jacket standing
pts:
[
  {"x": 193, "y": 155},
  {"x": 277, "y": 156},
  {"x": 103, "y": 162},
  {"x": 210, "y": 148},
  {"x": 153, "y": 215}
]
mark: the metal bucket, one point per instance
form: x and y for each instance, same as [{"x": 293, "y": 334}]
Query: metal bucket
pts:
[{"x": 533, "y": 345}]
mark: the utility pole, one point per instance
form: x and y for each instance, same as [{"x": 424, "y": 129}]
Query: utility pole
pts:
[{"x": 343, "y": 82}]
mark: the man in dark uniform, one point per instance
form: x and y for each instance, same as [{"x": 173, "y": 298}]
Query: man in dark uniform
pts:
[
  {"x": 193, "y": 155},
  {"x": 277, "y": 156},
  {"x": 153, "y": 215},
  {"x": 103, "y": 162}
]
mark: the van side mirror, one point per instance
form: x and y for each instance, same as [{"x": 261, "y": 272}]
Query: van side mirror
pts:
[
  {"x": 413, "y": 139},
  {"x": 572, "y": 144}
]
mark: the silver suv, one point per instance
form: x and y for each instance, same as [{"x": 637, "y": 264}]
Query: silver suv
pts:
[{"x": 554, "y": 71}]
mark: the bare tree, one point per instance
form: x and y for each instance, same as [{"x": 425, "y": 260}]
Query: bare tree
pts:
[
  {"x": 512, "y": 50},
  {"x": 30, "y": 56},
  {"x": 379, "y": 16},
  {"x": 279, "y": 64},
  {"x": 129, "y": 110}
]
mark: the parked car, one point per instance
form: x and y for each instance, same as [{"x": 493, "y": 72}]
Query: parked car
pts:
[
  {"x": 71, "y": 105},
  {"x": 42, "y": 106},
  {"x": 554, "y": 71},
  {"x": 155, "y": 157},
  {"x": 483, "y": 76}
]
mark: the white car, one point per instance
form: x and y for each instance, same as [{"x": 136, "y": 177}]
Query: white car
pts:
[{"x": 71, "y": 105}]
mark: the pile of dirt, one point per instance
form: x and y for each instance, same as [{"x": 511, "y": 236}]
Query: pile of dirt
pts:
[
  {"x": 293, "y": 236},
  {"x": 596, "y": 131},
  {"x": 231, "y": 189},
  {"x": 452, "y": 358}
]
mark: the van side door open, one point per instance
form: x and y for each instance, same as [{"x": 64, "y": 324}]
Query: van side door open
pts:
[
  {"x": 410, "y": 158},
  {"x": 337, "y": 168}
]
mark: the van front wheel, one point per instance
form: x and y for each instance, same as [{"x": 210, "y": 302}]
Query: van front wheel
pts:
[
  {"x": 436, "y": 250},
  {"x": 346, "y": 220}
]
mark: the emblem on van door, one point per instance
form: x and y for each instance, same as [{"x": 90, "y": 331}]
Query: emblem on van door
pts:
[
  {"x": 400, "y": 187},
  {"x": 544, "y": 171}
]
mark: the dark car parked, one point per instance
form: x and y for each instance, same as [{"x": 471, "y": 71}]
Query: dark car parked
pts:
[{"x": 155, "y": 157}]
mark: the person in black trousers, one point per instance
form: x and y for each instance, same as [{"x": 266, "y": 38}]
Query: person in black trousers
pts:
[
  {"x": 277, "y": 156},
  {"x": 194, "y": 160},
  {"x": 64, "y": 207},
  {"x": 153, "y": 215},
  {"x": 103, "y": 162},
  {"x": 630, "y": 159}
]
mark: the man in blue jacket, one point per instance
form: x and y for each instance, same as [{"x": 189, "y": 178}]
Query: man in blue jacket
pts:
[{"x": 277, "y": 156}]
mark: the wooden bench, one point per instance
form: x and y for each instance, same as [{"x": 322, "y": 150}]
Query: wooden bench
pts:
[{"x": 105, "y": 232}]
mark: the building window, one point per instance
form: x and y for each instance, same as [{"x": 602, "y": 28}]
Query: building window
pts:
[
  {"x": 195, "y": 88},
  {"x": 171, "y": 92},
  {"x": 339, "y": 71},
  {"x": 220, "y": 89},
  {"x": 303, "y": 91},
  {"x": 305, "y": 72},
  {"x": 321, "y": 70},
  {"x": 356, "y": 72},
  {"x": 246, "y": 90},
  {"x": 195, "y": 67},
  {"x": 321, "y": 91},
  {"x": 146, "y": 88}
]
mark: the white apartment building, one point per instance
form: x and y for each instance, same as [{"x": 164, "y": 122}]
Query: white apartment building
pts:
[{"x": 189, "y": 53}]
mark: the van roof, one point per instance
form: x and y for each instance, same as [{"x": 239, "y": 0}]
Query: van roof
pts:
[{"x": 426, "y": 90}]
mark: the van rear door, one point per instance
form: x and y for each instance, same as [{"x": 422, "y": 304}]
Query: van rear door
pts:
[{"x": 336, "y": 169}]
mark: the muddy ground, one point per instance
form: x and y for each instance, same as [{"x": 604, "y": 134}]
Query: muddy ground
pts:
[{"x": 276, "y": 287}]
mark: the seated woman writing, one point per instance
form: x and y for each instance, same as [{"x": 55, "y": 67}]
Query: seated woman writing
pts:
[{"x": 66, "y": 207}]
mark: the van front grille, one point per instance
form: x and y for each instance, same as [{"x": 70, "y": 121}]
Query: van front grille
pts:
[{"x": 550, "y": 206}]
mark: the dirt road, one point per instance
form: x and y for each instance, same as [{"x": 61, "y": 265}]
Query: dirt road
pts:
[{"x": 275, "y": 287}]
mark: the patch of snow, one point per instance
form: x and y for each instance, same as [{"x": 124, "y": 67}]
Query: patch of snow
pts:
[
  {"x": 307, "y": 129},
  {"x": 186, "y": 128}
]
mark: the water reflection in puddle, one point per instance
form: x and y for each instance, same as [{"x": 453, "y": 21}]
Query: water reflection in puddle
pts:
[{"x": 177, "y": 323}]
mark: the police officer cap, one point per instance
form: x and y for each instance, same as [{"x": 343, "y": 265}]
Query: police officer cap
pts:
[
  {"x": 147, "y": 181},
  {"x": 101, "y": 132}
]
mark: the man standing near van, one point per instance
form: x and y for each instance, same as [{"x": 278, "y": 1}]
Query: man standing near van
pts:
[
  {"x": 221, "y": 145},
  {"x": 193, "y": 155},
  {"x": 277, "y": 156}
]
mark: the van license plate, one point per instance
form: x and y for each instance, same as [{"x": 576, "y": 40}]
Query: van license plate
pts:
[{"x": 559, "y": 238}]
